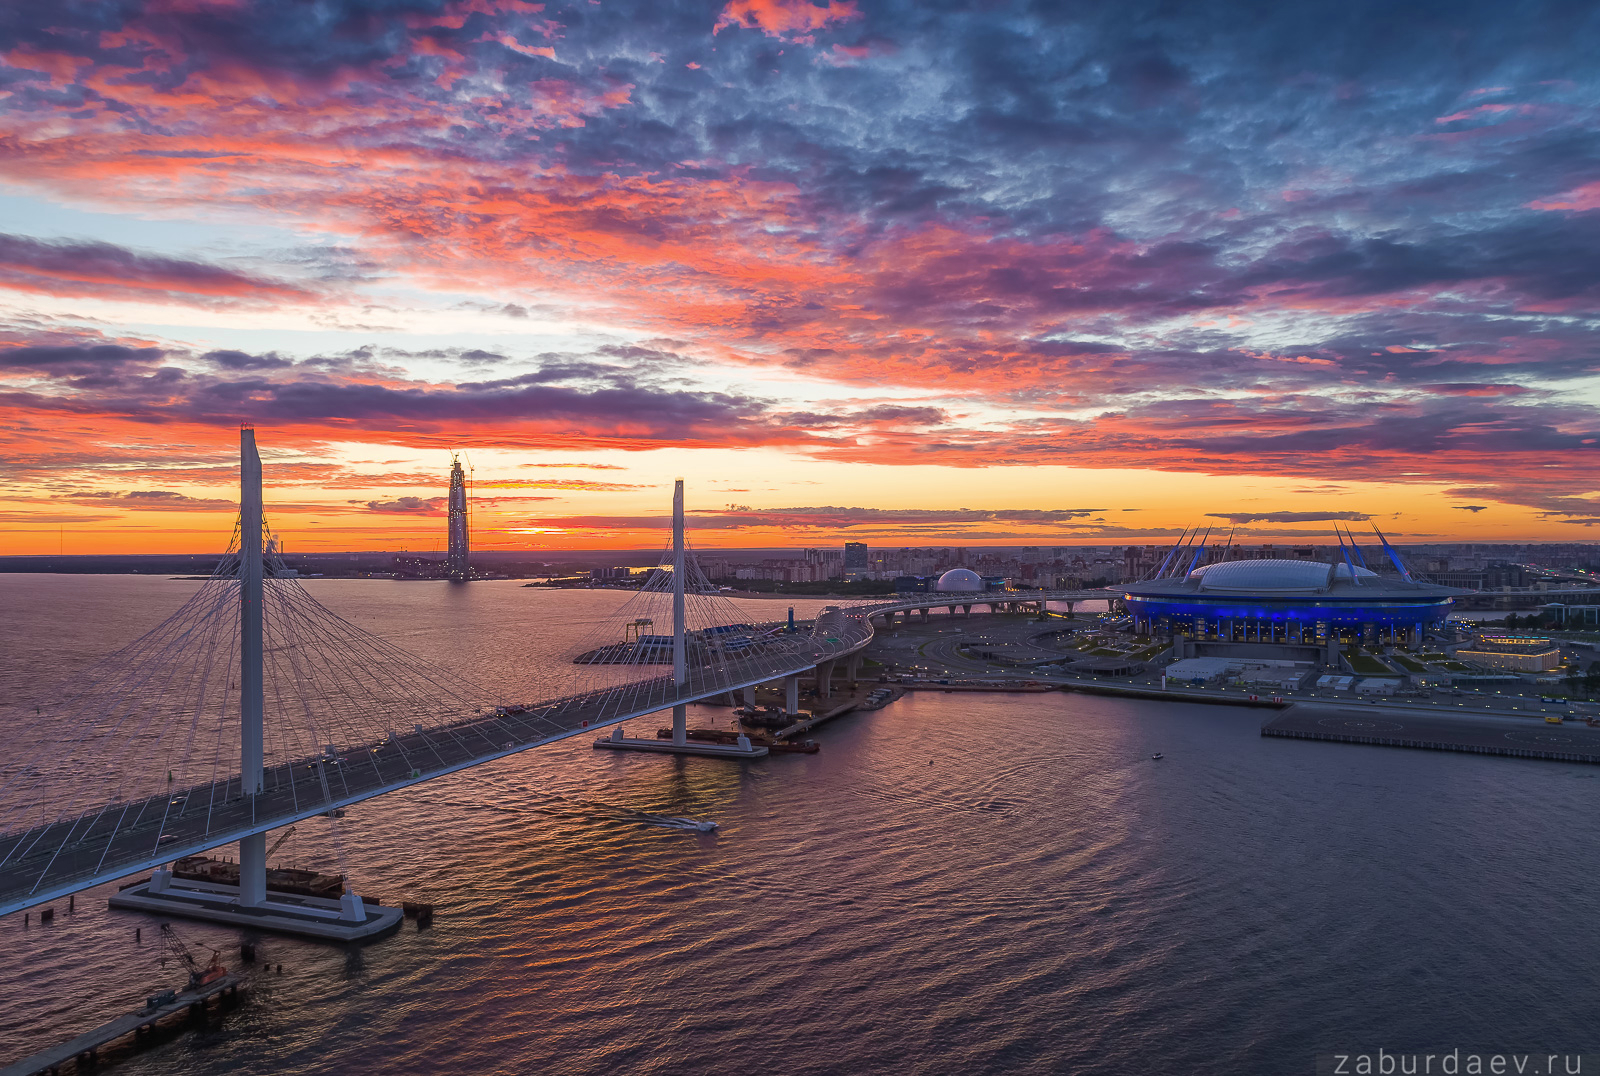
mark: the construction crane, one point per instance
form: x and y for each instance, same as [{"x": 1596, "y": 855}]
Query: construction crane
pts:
[
  {"x": 198, "y": 976},
  {"x": 277, "y": 844}
]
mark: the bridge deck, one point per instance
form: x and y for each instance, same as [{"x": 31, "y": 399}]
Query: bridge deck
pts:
[
  {"x": 66, "y": 854},
  {"x": 62, "y": 856}
]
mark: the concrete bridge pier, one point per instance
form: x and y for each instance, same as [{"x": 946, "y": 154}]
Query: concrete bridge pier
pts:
[
  {"x": 966, "y": 610},
  {"x": 825, "y": 679},
  {"x": 791, "y": 694},
  {"x": 852, "y": 666}
]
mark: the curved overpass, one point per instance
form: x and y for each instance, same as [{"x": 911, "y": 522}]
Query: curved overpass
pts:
[{"x": 965, "y": 600}]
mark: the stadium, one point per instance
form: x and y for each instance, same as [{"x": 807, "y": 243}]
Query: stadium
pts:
[{"x": 1289, "y": 602}]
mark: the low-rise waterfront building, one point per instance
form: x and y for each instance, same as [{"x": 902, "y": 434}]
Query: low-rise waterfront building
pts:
[{"x": 1514, "y": 653}]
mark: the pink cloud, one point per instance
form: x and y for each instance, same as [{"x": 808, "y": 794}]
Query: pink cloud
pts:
[
  {"x": 1583, "y": 198},
  {"x": 793, "y": 20}
]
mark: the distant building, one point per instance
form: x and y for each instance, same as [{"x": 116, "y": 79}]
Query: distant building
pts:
[
  {"x": 1492, "y": 577},
  {"x": 458, "y": 563},
  {"x": 855, "y": 560},
  {"x": 960, "y": 581},
  {"x": 1514, "y": 653}
]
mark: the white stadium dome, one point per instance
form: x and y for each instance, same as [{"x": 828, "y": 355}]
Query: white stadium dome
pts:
[
  {"x": 1273, "y": 575},
  {"x": 959, "y": 581}
]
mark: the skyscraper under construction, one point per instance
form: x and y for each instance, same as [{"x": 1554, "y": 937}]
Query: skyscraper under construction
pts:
[{"x": 457, "y": 565}]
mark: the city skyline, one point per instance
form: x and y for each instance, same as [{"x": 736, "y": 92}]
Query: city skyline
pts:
[{"x": 857, "y": 271}]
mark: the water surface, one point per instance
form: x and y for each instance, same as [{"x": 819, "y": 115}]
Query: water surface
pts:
[{"x": 955, "y": 884}]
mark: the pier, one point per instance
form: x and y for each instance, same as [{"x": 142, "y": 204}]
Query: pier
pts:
[
  {"x": 1517, "y": 737},
  {"x": 85, "y": 1050},
  {"x": 813, "y": 721}
]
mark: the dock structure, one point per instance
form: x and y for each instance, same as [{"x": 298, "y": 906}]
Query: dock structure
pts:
[
  {"x": 739, "y": 748},
  {"x": 85, "y": 1050},
  {"x": 348, "y": 919},
  {"x": 1516, "y": 737},
  {"x": 809, "y": 723}
]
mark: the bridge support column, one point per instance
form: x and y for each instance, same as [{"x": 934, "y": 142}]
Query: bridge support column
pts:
[
  {"x": 966, "y": 611},
  {"x": 791, "y": 694},
  {"x": 253, "y": 870},
  {"x": 853, "y": 666},
  {"x": 680, "y": 725},
  {"x": 750, "y": 695},
  {"x": 252, "y": 690},
  {"x": 825, "y": 679}
]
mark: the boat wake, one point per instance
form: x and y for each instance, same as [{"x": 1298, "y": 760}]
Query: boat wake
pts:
[{"x": 670, "y": 822}]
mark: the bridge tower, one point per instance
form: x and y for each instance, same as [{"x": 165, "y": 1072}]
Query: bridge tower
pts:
[
  {"x": 457, "y": 566},
  {"x": 252, "y": 692},
  {"x": 680, "y": 714}
]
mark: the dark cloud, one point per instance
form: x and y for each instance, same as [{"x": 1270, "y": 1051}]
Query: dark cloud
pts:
[
  {"x": 239, "y": 360},
  {"x": 742, "y": 517},
  {"x": 77, "y": 359},
  {"x": 154, "y": 500},
  {"x": 409, "y": 506},
  {"x": 96, "y": 268}
]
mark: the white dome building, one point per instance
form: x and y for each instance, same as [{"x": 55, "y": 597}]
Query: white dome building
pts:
[{"x": 959, "y": 581}]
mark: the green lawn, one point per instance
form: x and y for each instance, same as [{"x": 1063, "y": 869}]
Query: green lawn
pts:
[
  {"x": 1367, "y": 666},
  {"x": 1409, "y": 665}
]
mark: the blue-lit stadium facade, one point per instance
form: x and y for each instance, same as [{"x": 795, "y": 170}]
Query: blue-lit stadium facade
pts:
[{"x": 1286, "y": 601}]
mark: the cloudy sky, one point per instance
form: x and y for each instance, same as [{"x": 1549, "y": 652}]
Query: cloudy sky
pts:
[{"x": 904, "y": 272}]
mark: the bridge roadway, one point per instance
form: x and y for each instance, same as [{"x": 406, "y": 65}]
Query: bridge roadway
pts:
[
  {"x": 952, "y": 599},
  {"x": 106, "y": 842}
]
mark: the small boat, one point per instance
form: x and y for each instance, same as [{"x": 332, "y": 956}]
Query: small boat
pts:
[
  {"x": 1157, "y": 755},
  {"x": 696, "y": 824}
]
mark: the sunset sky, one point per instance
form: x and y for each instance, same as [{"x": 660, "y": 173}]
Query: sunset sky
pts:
[{"x": 905, "y": 273}]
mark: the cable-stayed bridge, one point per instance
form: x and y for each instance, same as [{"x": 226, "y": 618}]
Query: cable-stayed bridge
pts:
[{"x": 255, "y": 706}]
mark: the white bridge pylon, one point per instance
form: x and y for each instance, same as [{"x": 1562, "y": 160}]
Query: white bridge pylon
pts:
[{"x": 254, "y": 706}]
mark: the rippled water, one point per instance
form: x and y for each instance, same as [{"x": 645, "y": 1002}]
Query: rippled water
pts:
[{"x": 955, "y": 884}]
